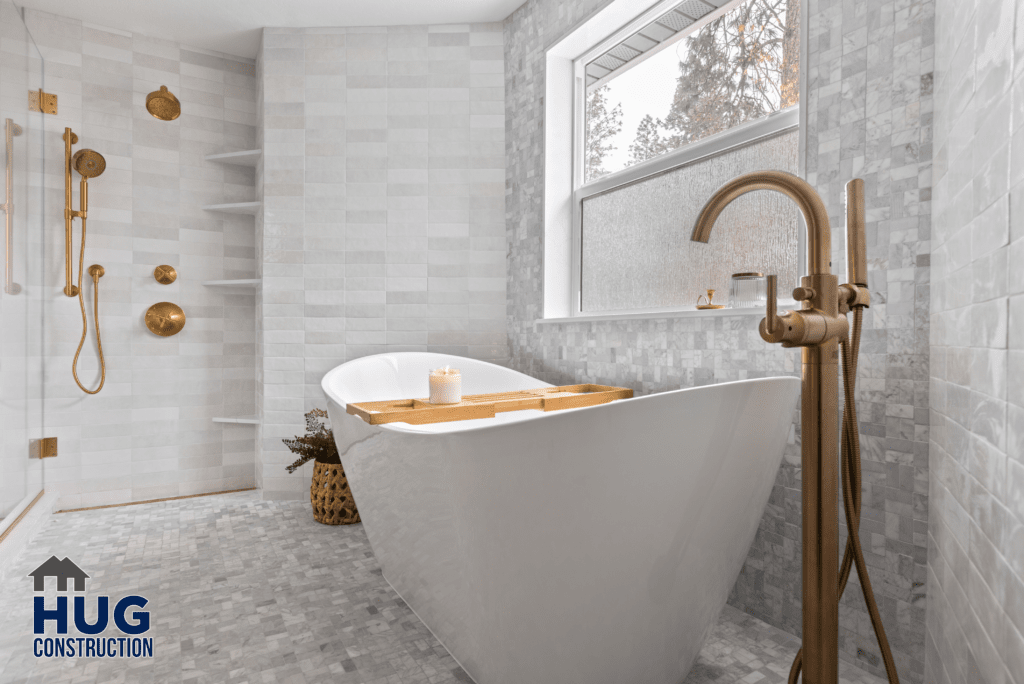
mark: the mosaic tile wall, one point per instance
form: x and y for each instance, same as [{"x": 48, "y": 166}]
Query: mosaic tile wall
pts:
[
  {"x": 869, "y": 101},
  {"x": 148, "y": 433},
  {"x": 384, "y": 215},
  {"x": 976, "y": 530}
]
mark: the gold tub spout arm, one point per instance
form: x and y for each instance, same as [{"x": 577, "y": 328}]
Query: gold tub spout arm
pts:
[{"x": 819, "y": 236}]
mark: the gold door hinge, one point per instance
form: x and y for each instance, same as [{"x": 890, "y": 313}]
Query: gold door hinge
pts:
[
  {"x": 43, "y": 448},
  {"x": 38, "y": 101}
]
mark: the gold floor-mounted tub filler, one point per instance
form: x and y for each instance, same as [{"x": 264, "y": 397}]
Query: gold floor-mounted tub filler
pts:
[
  {"x": 163, "y": 105},
  {"x": 165, "y": 319},
  {"x": 820, "y": 328},
  {"x": 88, "y": 164}
]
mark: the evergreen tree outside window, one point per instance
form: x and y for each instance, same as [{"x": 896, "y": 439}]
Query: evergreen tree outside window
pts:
[{"x": 739, "y": 67}]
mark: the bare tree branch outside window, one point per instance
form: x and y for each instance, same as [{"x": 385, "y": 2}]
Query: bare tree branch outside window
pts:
[{"x": 602, "y": 124}]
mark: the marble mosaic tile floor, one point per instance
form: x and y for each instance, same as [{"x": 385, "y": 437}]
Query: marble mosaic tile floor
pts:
[{"x": 245, "y": 591}]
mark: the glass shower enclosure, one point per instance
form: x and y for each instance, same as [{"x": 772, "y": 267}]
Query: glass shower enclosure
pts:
[{"x": 22, "y": 477}]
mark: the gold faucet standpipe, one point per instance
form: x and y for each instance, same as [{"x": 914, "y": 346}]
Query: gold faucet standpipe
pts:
[
  {"x": 11, "y": 130},
  {"x": 88, "y": 164},
  {"x": 820, "y": 328}
]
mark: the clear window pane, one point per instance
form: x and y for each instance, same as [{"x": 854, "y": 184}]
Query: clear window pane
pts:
[{"x": 742, "y": 66}]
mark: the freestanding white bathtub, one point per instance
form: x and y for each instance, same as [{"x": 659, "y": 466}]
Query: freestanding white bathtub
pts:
[{"x": 594, "y": 545}]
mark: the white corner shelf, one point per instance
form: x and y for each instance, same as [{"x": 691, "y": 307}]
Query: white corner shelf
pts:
[
  {"x": 246, "y": 283},
  {"x": 241, "y": 420},
  {"x": 250, "y": 208},
  {"x": 243, "y": 158}
]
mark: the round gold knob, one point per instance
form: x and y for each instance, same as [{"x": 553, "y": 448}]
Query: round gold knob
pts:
[
  {"x": 97, "y": 271},
  {"x": 165, "y": 275},
  {"x": 165, "y": 319}
]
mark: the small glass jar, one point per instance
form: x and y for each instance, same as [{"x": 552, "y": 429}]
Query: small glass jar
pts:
[{"x": 748, "y": 290}]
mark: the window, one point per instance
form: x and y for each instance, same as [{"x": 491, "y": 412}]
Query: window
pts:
[
  {"x": 672, "y": 85},
  {"x": 665, "y": 110}
]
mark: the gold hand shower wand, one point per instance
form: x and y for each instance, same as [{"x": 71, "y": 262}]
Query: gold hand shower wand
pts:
[
  {"x": 89, "y": 164},
  {"x": 821, "y": 330}
]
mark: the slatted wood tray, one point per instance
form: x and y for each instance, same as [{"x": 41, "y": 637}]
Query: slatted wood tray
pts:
[{"x": 472, "y": 406}]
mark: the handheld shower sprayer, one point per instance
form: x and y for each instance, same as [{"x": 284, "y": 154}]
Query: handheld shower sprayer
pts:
[{"x": 88, "y": 164}]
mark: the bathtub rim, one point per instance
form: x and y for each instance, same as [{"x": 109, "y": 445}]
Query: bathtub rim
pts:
[{"x": 461, "y": 426}]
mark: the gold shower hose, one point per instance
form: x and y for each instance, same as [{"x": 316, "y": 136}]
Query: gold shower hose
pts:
[
  {"x": 851, "y": 474},
  {"x": 95, "y": 272}
]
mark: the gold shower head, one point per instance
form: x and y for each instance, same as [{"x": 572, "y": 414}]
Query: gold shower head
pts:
[
  {"x": 163, "y": 105},
  {"x": 88, "y": 163}
]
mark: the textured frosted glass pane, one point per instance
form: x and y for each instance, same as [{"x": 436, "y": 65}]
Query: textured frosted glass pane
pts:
[{"x": 637, "y": 252}]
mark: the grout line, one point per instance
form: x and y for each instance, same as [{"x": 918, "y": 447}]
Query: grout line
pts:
[
  {"x": 149, "y": 501},
  {"x": 22, "y": 515}
]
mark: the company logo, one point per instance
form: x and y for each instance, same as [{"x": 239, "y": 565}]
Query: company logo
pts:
[{"x": 130, "y": 623}]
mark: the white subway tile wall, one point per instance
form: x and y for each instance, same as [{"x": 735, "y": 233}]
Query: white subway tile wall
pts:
[
  {"x": 148, "y": 433},
  {"x": 383, "y": 224},
  {"x": 868, "y": 99},
  {"x": 976, "y": 528}
]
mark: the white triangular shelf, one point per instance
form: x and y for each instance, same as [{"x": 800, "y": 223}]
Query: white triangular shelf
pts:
[
  {"x": 243, "y": 158},
  {"x": 250, "y": 208},
  {"x": 242, "y": 420}
]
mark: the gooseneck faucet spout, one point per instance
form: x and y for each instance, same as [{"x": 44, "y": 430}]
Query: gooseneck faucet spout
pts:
[
  {"x": 819, "y": 236},
  {"x": 820, "y": 328}
]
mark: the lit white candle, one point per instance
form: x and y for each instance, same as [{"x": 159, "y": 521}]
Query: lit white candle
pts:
[{"x": 445, "y": 386}]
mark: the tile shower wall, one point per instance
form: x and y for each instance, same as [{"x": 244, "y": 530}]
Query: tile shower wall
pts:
[
  {"x": 384, "y": 210},
  {"x": 976, "y": 531},
  {"x": 869, "y": 115},
  {"x": 149, "y": 433}
]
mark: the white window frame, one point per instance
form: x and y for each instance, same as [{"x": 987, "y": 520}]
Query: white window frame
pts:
[{"x": 564, "y": 130}]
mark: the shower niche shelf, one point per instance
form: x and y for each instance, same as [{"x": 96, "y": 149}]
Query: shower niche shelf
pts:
[
  {"x": 243, "y": 158},
  {"x": 243, "y": 284},
  {"x": 250, "y": 208},
  {"x": 237, "y": 286},
  {"x": 238, "y": 420}
]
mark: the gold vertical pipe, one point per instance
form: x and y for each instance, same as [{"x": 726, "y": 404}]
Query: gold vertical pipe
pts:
[
  {"x": 69, "y": 288},
  {"x": 819, "y": 463}
]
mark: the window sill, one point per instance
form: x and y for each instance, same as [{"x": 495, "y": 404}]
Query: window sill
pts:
[{"x": 655, "y": 315}]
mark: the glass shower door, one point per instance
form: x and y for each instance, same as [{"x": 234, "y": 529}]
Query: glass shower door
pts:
[{"x": 21, "y": 258}]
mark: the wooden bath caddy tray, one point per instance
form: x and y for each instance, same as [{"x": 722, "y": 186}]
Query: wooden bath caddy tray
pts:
[{"x": 472, "y": 406}]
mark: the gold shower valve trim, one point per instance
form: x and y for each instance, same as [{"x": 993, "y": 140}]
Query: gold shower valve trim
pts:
[
  {"x": 164, "y": 274},
  {"x": 165, "y": 319}
]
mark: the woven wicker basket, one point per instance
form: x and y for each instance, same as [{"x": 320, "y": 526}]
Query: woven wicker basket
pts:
[{"x": 331, "y": 497}]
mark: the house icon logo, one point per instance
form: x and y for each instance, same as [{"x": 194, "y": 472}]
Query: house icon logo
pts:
[
  {"x": 95, "y": 640},
  {"x": 63, "y": 570}
]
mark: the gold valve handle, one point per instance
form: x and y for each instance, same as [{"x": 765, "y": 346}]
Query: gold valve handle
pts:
[{"x": 771, "y": 322}]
